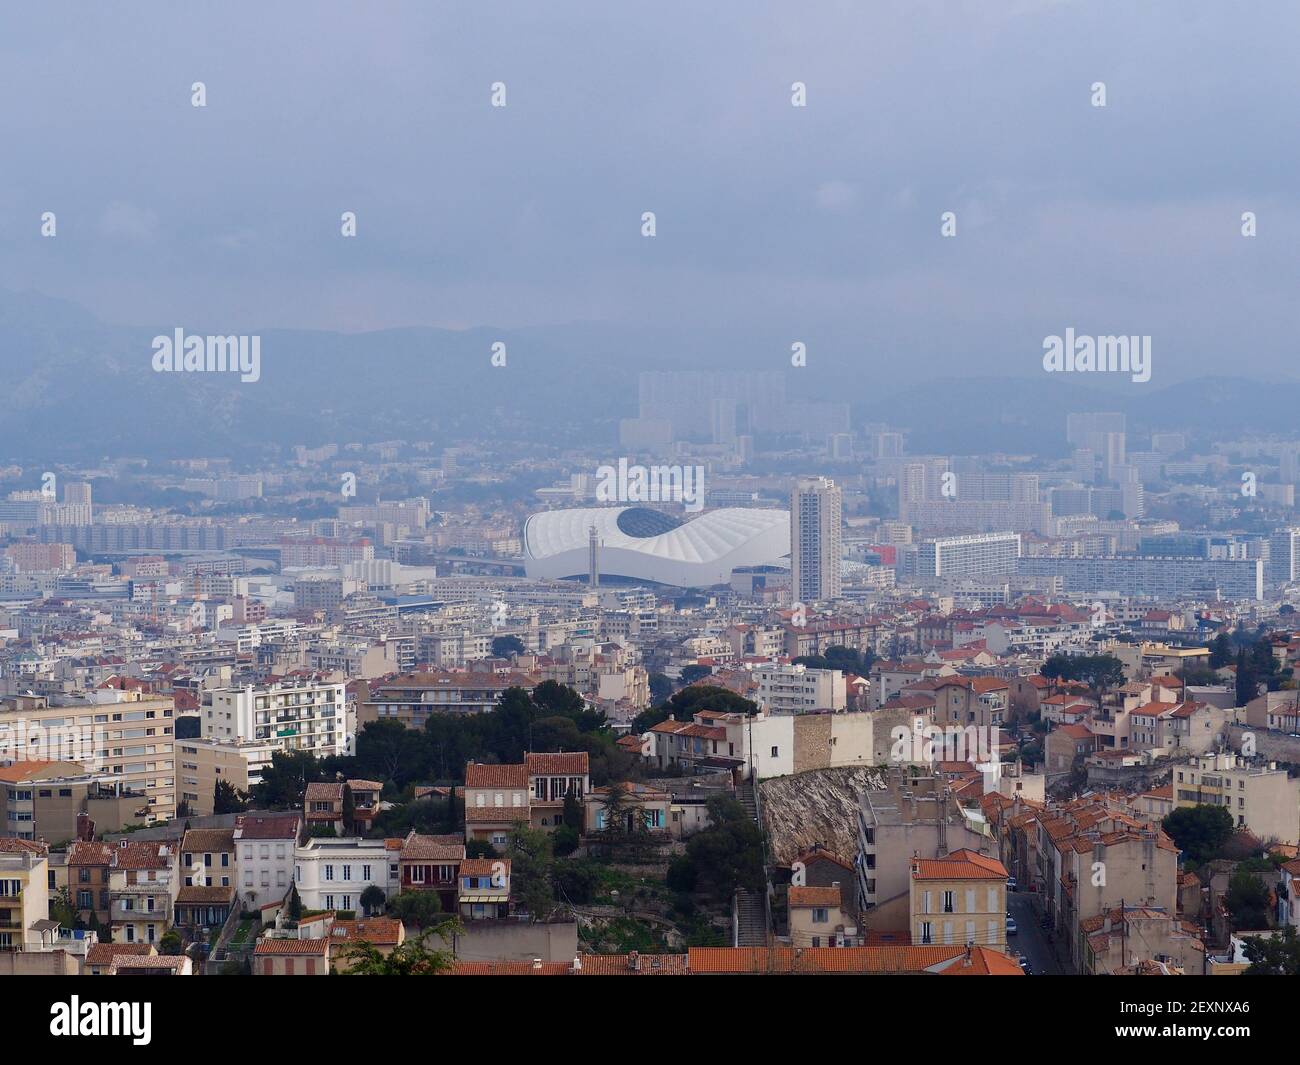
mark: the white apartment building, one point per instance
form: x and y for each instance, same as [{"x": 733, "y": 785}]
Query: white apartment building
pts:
[
  {"x": 982, "y": 555},
  {"x": 331, "y": 874},
  {"x": 1158, "y": 577},
  {"x": 264, "y": 856},
  {"x": 302, "y": 716},
  {"x": 795, "y": 689}
]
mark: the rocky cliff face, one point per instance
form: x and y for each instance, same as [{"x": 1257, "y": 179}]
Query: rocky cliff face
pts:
[{"x": 820, "y": 806}]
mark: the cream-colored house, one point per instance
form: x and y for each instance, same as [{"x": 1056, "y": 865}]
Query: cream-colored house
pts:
[
  {"x": 817, "y": 918},
  {"x": 959, "y": 899}
]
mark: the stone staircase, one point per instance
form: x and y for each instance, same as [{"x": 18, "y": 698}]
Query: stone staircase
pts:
[{"x": 751, "y": 912}]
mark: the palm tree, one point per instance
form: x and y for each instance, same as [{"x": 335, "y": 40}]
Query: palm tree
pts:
[{"x": 412, "y": 958}]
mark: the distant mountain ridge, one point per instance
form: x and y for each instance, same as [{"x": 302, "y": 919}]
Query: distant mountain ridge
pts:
[{"x": 78, "y": 389}]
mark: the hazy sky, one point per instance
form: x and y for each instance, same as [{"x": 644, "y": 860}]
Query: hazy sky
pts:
[{"x": 817, "y": 223}]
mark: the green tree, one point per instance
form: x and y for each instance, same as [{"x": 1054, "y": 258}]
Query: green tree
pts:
[
  {"x": 1247, "y": 683},
  {"x": 293, "y": 907},
  {"x": 729, "y": 853},
  {"x": 1200, "y": 832},
  {"x": 373, "y": 899},
  {"x": 531, "y": 862},
  {"x": 686, "y": 703},
  {"x": 1278, "y": 955},
  {"x": 227, "y": 799},
  {"x": 420, "y": 908},
  {"x": 682, "y": 875},
  {"x": 661, "y": 688},
  {"x": 1101, "y": 673},
  {"x": 285, "y": 780},
  {"x": 479, "y": 848},
  {"x": 576, "y": 880},
  {"x": 414, "y": 957},
  {"x": 1220, "y": 651},
  {"x": 505, "y": 646},
  {"x": 692, "y": 673},
  {"x": 349, "y": 811},
  {"x": 1247, "y": 900},
  {"x": 1058, "y": 668},
  {"x": 61, "y": 909},
  {"x": 170, "y": 943},
  {"x": 574, "y": 815},
  {"x": 564, "y": 841}
]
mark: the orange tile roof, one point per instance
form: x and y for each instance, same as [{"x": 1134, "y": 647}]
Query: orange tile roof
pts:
[
  {"x": 291, "y": 946},
  {"x": 478, "y": 775},
  {"x": 959, "y": 865},
  {"x": 814, "y": 897},
  {"x": 574, "y": 763}
]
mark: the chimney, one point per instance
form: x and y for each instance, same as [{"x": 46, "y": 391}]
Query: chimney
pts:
[
  {"x": 634, "y": 961},
  {"x": 576, "y": 967},
  {"x": 537, "y": 964}
]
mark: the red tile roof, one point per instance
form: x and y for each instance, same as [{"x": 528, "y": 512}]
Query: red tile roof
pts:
[{"x": 574, "y": 763}]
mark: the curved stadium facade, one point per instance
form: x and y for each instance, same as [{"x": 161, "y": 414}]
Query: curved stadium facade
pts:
[{"x": 638, "y": 543}]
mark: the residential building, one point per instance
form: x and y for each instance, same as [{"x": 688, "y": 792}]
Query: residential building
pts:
[
  {"x": 797, "y": 689},
  {"x": 143, "y": 884},
  {"x": 265, "y": 856},
  {"x": 1260, "y": 796},
  {"x": 331, "y": 874},
  {"x": 431, "y": 863},
  {"x": 483, "y": 888},
  {"x": 815, "y": 547},
  {"x": 43, "y": 800},
  {"x": 124, "y": 735},
  {"x": 301, "y": 715},
  {"x": 818, "y": 919},
  {"x": 24, "y": 894},
  {"x": 959, "y": 898}
]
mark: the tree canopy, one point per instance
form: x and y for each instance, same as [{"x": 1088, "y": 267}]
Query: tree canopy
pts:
[{"x": 1200, "y": 831}]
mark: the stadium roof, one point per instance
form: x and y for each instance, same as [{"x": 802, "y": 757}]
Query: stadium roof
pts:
[{"x": 640, "y": 543}]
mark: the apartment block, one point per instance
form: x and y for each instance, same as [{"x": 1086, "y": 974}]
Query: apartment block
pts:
[
  {"x": 1260, "y": 796},
  {"x": 960, "y": 898},
  {"x": 126, "y": 736}
]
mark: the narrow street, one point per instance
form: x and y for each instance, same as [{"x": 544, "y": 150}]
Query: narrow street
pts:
[{"x": 1029, "y": 939}]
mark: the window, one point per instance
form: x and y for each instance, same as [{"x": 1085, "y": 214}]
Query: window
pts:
[
  {"x": 329, "y": 872},
  {"x": 776, "y": 752},
  {"x": 365, "y": 872},
  {"x": 820, "y": 915},
  {"x": 927, "y": 935},
  {"x": 949, "y": 906}
]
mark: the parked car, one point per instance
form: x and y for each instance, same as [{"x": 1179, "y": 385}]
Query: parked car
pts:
[
  {"x": 1011, "y": 884},
  {"x": 1011, "y": 925},
  {"x": 1025, "y": 967}
]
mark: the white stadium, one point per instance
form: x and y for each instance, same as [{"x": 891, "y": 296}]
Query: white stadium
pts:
[{"x": 641, "y": 544}]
